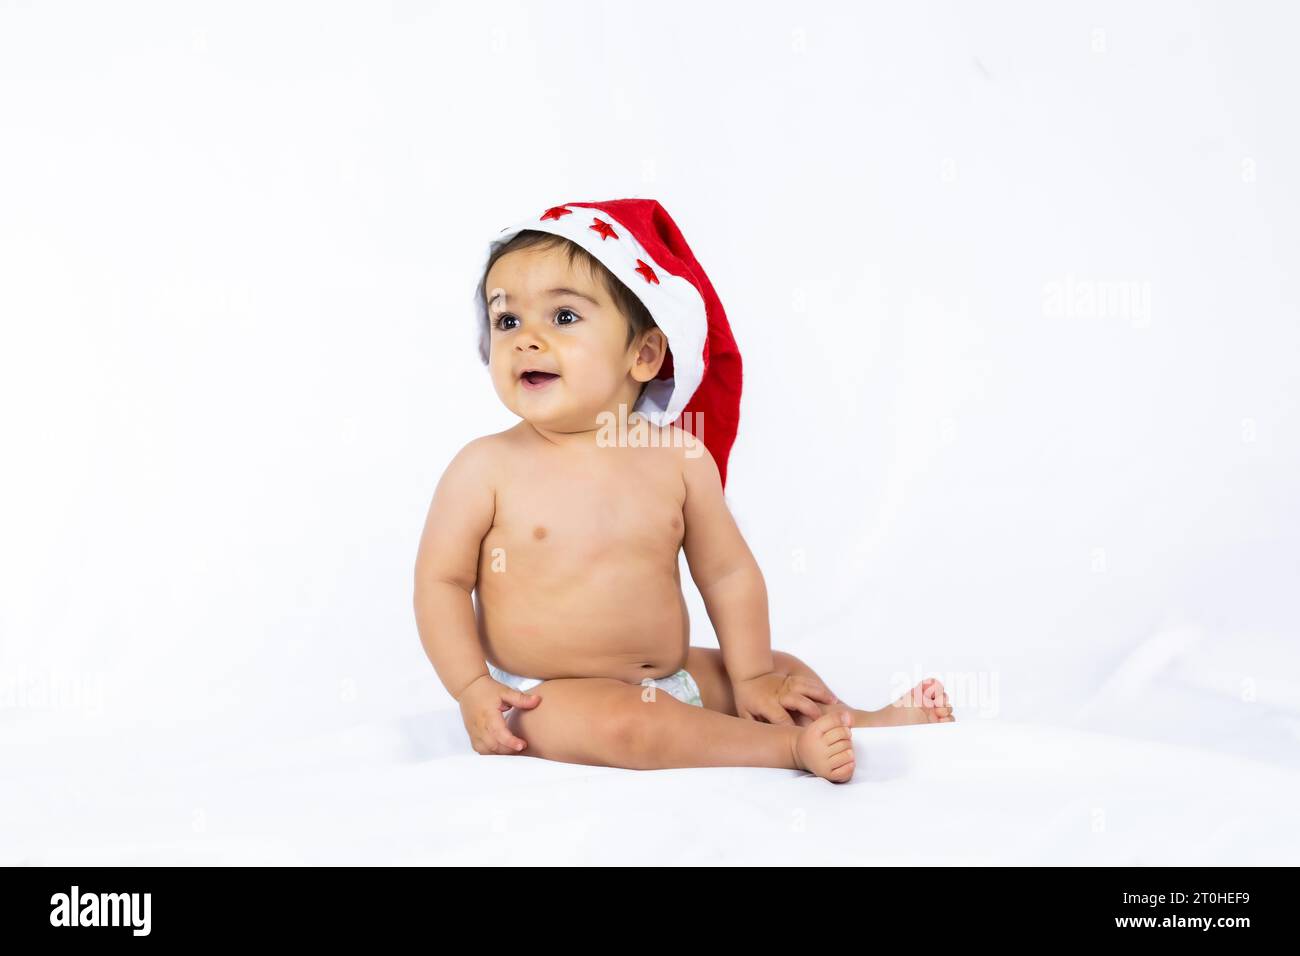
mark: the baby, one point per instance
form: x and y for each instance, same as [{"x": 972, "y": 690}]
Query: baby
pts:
[{"x": 551, "y": 548}]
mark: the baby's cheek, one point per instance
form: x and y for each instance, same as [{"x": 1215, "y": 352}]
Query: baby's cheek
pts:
[
  {"x": 597, "y": 376},
  {"x": 502, "y": 386}
]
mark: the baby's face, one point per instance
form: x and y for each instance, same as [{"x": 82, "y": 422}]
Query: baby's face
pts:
[{"x": 558, "y": 358}]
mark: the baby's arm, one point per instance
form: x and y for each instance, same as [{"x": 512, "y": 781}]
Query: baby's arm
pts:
[
  {"x": 735, "y": 596},
  {"x": 446, "y": 567},
  {"x": 446, "y": 571},
  {"x": 725, "y": 571}
]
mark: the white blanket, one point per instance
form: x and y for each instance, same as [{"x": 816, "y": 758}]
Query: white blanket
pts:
[{"x": 410, "y": 790}]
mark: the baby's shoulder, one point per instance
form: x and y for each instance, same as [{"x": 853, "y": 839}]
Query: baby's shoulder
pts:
[
  {"x": 481, "y": 456},
  {"x": 689, "y": 450},
  {"x": 679, "y": 452},
  {"x": 672, "y": 439}
]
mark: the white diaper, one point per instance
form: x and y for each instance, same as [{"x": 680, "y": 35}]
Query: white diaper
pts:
[{"x": 680, "y": 685}]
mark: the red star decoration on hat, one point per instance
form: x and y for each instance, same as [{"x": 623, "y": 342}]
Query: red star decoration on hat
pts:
[
  {"x": 646, "y": 271},
  {"x": 605, "y": 229},
  {"x": 555, "y": 212}
]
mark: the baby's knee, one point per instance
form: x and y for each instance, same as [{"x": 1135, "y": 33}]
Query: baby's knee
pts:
[
  {"x": 644, "y": 721},
  {"x": 580, "y": 718},
  {"x": 628, "y": 723}
]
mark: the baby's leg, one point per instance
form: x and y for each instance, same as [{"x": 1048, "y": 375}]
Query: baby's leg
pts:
[
  {"x": 926, "y": 703},
  {"x": 707, "y": 666},
  {"x": 604, "y": 722}
]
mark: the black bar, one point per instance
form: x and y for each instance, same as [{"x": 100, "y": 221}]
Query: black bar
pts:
[{"x": 961, "y": 904}]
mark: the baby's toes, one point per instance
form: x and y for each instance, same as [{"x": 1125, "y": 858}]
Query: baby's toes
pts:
[
  {"x": 843, "y": 772},
  {"x": 837, "y": 738},
  {"x": 946, "y": 711},
  {"x": 829, "y": 748},
  {"x": 841, "y": 760},
  {"x": 932, "y": 693},
  {"x": 839, "y": 747}
]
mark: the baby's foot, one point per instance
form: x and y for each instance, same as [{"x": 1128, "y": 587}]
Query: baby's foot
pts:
[
  {"x": 926, "y": 703},
  {"x": 825, "y": 747}
]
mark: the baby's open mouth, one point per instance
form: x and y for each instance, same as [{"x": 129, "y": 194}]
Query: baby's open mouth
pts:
[{"x": 537, "y": 379}]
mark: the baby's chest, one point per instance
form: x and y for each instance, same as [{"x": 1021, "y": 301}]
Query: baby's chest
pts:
[{"x": 589, "y": 518}]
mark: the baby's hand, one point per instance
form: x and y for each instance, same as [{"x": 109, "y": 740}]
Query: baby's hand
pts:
[
  {"x": 769, "y": 697},
  {"x": 483, "y": 705}
]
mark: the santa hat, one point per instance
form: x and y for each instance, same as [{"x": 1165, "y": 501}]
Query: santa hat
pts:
[{"x": 637, "y": 241}]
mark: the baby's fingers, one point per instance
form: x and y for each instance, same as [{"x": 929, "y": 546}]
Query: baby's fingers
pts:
[
  {"x": 506, "y": 742},
  {"x": 776, "y": 713},
  {"x": 762, "y": 715},
  {"x": 802, "y": 704},
  {"x": 514, "y": 698},
  {"x": 814, "y": 689}
]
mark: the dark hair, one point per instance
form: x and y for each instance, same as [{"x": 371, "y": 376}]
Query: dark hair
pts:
[{"x": 638, "y": 316}]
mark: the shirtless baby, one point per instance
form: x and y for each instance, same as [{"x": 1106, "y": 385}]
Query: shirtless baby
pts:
[{"x": 551, "y": 551}]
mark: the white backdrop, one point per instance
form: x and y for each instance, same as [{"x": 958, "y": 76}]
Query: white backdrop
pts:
[{"x": 1015, "y": 288}]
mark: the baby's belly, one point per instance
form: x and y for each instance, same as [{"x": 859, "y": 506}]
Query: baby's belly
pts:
[{"x": 628, "y": 626}]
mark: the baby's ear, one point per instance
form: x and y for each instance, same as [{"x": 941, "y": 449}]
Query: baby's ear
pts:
[{"x": 650, "y": 355}]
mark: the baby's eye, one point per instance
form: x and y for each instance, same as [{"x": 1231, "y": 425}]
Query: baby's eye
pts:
[
  {"x": 564, "y": 312},
  {"x": 505, "y": 318}
]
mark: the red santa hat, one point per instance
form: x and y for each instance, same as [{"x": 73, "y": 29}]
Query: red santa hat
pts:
[{"x": 637, "y": 241}]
